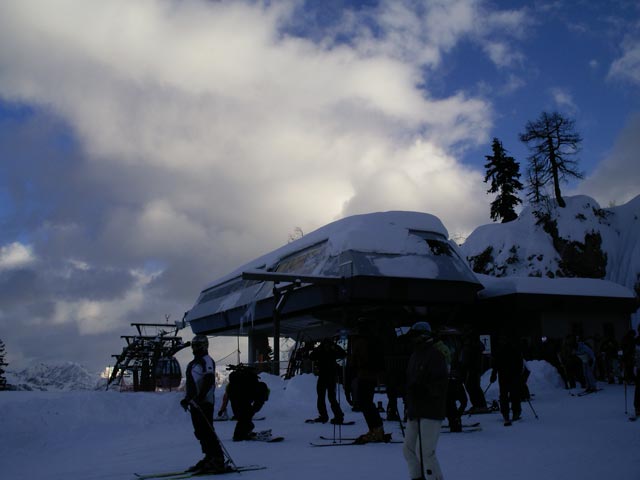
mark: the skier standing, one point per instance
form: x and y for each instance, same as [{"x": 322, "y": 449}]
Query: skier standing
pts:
[
  {"x": 456, "y": 400},
  {"x": 508, "y": 367},
  {"x": 587, "y": 357},
  {"x": 367, "y": 363},
  {"x": 426, "y": 395},
  {"x": 199, "y": 400},
  {"x": 325, "y": 357},
  {"x": 636, "y": 393},
  {"x": 471, "y": 371}
]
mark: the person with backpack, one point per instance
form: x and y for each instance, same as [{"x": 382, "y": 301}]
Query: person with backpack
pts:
[
  {"x": 426, "y": 404},
  {"x": 325, "y": 357},
  {"x": 199, "y": 401},
  {"x": 247, "y": 395}
]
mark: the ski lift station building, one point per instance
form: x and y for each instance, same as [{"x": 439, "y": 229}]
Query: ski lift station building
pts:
[{"x": 388, "y": 270}]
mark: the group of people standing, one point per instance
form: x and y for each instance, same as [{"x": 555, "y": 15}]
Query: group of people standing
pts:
[{"x": 434, "y": 386}]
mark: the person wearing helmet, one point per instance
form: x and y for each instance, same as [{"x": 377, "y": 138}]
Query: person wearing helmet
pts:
[
  {"x": 425, "y": 400},
  {"x": 199, "y": 400}
]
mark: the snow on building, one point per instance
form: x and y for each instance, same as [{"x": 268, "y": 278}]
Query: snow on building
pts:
[{"x": 392, "y": 269}]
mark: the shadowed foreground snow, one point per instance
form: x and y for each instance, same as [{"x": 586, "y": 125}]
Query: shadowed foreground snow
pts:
[{"x": 109, "y": 435}]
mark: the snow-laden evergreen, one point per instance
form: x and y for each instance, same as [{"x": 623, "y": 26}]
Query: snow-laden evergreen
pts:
[{"x": 581, "y": 240}]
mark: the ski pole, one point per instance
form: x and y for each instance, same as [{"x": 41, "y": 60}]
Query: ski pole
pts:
[
  {"x": 420, "y": 446},
  {"x": 400, "y": 420},
  {"x": 625, "y": 397},
  {"x": 487, "y": 389},
  {"x": 340, "y": 424},
  {"x": 532, "y": 409},
  {"x": 193, "y": 404}
]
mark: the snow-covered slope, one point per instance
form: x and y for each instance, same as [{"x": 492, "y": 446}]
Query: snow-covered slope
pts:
[
  {"x": 110, "y": 435},
  {"x": 58, "y": 376}
]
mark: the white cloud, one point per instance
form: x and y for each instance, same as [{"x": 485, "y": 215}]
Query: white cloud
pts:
[
  {"x": 627, "y": 66},
  {"x": 206, "y": 133},
  {"x": 616, "y": 179},
  {"x": 230, "y": 108},
  {"x": 98, "y": 316},
  {"x": 16, "y": 255},
  {"x": 564, "y": 100}
]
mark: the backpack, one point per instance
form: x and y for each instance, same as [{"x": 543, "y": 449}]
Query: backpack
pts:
[
  {"x": 261, "y": 392},
  {"x": 244, "y": 382}
]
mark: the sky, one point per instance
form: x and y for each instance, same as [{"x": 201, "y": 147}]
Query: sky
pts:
[
  {"x": 73, "y": 435},
  {"x": 148, "y": 148}
]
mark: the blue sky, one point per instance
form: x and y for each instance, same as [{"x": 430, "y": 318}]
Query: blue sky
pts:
[{"x": 147, "y": 148}]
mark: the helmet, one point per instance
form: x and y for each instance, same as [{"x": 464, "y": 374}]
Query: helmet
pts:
[
  {"x": 200, "y": 342},
  {"x": 421, "y": 328}
]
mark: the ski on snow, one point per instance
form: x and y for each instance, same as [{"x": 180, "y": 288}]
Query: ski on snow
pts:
[
  {"x": 311, "y": 420},
  {"x": 184, "y": 474},
  {"x": 587, "y": 392},
  {"x": 464, "y": 425},
  {"x": 351, "y": 441},
  {"x": 464, "y": 430}
]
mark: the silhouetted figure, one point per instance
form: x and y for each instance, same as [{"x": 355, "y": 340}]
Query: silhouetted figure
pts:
[
  {"x": 508, "y": 365},
  {"x": 325, "y": 357}
]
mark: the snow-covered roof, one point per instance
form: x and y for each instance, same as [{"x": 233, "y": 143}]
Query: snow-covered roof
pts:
[
  {"x": 383, "y": 245},
  {"x": 380, "y": 232},
  {"x": 588, "y": 287}
]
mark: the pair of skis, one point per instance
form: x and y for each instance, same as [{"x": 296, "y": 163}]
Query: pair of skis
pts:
[
  {"x": 344, "y": 441},
  {"x": 184, "y": 474},
  {"x": 466, "y": 428}
]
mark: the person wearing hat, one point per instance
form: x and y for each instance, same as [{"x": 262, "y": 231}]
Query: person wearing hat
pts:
[
  {"x": 425, "y": 401},
  {"x": 199, "y": 400}
]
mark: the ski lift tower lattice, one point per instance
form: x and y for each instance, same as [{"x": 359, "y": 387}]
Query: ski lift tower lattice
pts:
[{"x": 148, "y": 358}]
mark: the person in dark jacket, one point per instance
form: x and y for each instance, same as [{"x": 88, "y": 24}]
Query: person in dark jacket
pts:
[
  {"x": 471, "y": 371},
  {"x": 426, "y": 404},
  {"x": 366, "y": 361},
  {"x": 325, "y": 357},
  {"x": 508, "y": 367},
  {"x": 247, "y": 395},
  {"x": 199, "y": 400}
]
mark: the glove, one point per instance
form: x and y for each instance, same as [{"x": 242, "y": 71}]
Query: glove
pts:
[{"x": 184, "y": 403}]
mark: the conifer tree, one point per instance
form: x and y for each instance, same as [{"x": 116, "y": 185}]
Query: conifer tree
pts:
[
  {"x": 3, "y": 379},
  {"x": 553, "y": 143},
  {"x": 504, "y": 172}
]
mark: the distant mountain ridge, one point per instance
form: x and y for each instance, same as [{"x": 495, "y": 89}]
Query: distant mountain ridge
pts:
[
  {"x": 57, "y": 376},
  {"x": 580, "y": 240}
]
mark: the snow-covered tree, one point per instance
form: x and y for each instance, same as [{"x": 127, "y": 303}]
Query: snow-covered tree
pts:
[
  {"x": 553, "y": 142},
  {"x": 504, "y": 172}
]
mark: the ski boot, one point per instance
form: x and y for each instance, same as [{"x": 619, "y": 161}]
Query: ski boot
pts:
[{"x": 375, "y": 435}]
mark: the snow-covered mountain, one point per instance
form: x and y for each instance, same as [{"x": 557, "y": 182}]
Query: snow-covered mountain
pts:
[
  {"x": 580, "y": 240},
  {"x": 57, "y": 376}
]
